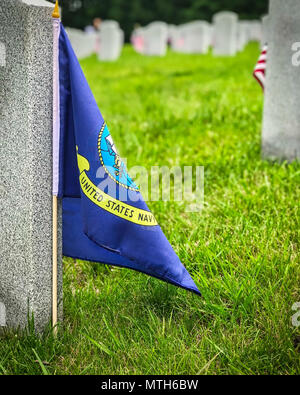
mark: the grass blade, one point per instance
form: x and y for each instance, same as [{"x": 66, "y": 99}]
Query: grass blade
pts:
[{"x": 44, "y": 370}]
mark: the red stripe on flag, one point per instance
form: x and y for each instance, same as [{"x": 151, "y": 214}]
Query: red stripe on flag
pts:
[{"x": 259, "y": 72}]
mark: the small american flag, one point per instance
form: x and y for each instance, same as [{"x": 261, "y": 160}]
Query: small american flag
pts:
[{"x": 260, "y": 68}]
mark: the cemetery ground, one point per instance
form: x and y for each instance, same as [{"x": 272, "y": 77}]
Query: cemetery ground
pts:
[{"x": 242, "y": 249}]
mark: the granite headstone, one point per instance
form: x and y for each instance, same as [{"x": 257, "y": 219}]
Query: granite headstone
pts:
[
  {"x": 226, "y": 35},
  {"x": 156, "y": 39},
  {"x": 111, "y": 41},
  {"x": 281, "y": 123},
  {"x": 243, "y": 34},
  {"x": 255, "y": 30},
  {"x": 196, "y": 37},
  {"x": 137, "y": 40},
  {"x": 83, "y": 43},
  {"x": 26, "y": 163},
  {"x": 211, "y": 31},
  {"x": 265, "y": 28},
  {"x": 176, "y": 39}
]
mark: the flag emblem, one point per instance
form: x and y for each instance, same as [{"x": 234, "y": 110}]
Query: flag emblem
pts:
[
  {"x": 109, "y": 203},
  {"x": 111, "y": 160}
]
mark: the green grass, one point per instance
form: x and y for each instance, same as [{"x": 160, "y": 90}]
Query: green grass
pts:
[{"x": 242, "y": 249}]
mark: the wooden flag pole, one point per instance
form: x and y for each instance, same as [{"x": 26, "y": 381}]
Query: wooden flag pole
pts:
[
  {"x": 54, "y": 264},
  {"x": 55, "y": 19}
]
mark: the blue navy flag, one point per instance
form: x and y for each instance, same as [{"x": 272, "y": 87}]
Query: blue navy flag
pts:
[{"x": 105, "y": 218}]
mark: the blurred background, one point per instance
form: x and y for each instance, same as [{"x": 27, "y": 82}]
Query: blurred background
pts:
[{"x": 80, "y": 13}]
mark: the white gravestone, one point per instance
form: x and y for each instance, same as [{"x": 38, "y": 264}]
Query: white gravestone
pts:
[
  {"x": 265, "y": 28},
  {"x": 171, "y": 30},
  {"x": 109, "y": 22},
  {"x": 255, "y": 30},
  {"x": 176, "y": 39},
  {"x": 83, "y": 43},
  {"x": 26, "y": 96},
  {"x": 243, "y": 34},
  {"x": 196, "y": 37},
  {"x": 226, "y": 25},
  {"x": 111, "y": 41},
  {"x": 281, "y": 121},
  {"x": 211, "y": 31},
  {"x": 122, "y": 40},
  {"x": 137, "y": 40},
  {"x": 156, "y": 39}
]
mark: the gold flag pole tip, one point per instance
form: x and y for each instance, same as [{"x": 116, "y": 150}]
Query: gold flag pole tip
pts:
[{"x": 56, "y": 10}]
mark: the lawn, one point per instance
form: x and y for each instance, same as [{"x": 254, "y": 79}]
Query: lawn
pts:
[{"x": 242, "y": 249}]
